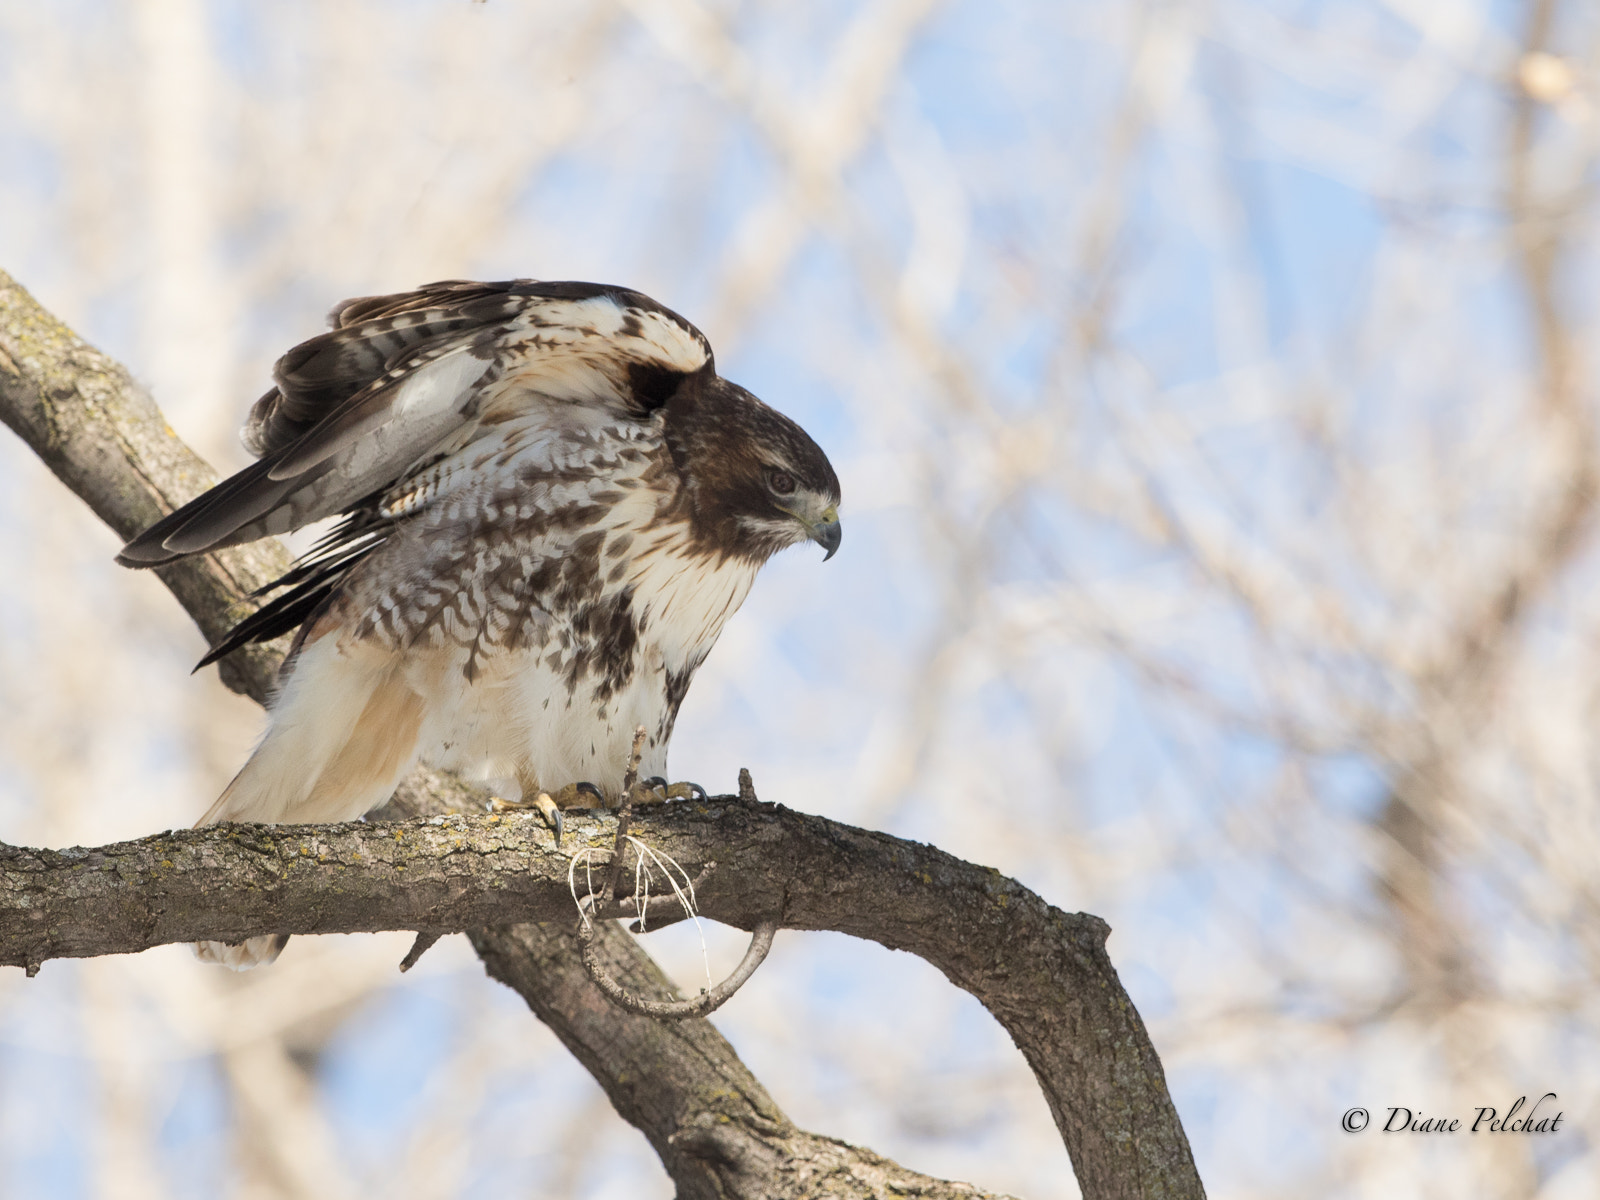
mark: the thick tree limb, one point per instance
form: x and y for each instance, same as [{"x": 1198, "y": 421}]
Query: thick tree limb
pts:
[
  {"x": 1043, "y": 973},
  {"x": 712, "y": 1123},
  {"x": 100, "y": 432}
]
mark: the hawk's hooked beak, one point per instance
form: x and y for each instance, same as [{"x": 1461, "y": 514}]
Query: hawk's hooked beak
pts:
[
  {"x": 825, "y": 532},
  {"x": 821, "y": 527}
]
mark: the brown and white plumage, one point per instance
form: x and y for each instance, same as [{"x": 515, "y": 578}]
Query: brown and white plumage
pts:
[{"x": 552, "y": 505}]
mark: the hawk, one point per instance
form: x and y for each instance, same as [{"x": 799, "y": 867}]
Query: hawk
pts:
[{"x": 552, "y": 503}]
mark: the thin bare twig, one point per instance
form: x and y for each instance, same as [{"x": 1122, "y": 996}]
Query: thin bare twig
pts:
[
  {"x": 630, "y": 777},
  {"x": 707, "y": 1002}
]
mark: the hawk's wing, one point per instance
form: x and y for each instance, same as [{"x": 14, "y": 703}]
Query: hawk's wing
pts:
[{"x": 401, "y": 377}]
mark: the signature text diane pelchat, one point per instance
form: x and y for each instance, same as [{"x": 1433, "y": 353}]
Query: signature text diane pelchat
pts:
[{"x": 1542, "y": 1117}]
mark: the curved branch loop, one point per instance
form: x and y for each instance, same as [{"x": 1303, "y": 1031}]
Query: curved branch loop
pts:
[{"x": 676, "y": 1010}]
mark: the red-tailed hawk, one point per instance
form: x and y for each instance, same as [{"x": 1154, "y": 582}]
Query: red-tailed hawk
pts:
[{"x": 552, "y": 505}]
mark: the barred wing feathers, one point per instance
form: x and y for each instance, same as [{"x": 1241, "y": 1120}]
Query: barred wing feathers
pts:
[{"x": 401, "y": 379}]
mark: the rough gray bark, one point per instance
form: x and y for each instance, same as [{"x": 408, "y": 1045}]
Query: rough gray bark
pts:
[
  {"x": 104, "y": 437},
  {"x": 1043, "y": 973}
]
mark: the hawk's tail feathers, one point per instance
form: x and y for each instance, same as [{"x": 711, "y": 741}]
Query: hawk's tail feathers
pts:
[
  {"x": 241, "y": 956},
  {"x": 343, "y": 735}
]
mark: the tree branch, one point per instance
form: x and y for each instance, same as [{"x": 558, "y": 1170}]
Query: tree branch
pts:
[
  {"x": 710, "y": 1120},
  {"x": 1043, "y": 973},
  {"x": 99, "y": 431}
]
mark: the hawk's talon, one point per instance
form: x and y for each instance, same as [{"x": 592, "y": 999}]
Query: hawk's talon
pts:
[
  {"x": 683, "y": 790},
  {"x": 591, "y": 796},
  {"x": 644, "y": 792},
  {"x": 657, "y": 790},
  {"x": 551, "y": 814},
  {"x": 542, "y": 802}
]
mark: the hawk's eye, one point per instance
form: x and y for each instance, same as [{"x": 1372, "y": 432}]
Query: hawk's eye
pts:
[{"x": 781, "y": 483}]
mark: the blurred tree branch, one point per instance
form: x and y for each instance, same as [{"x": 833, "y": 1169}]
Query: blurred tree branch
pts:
[
  {"x": 1043, "y": 973},
  {"x": 1458, "y": 688}
]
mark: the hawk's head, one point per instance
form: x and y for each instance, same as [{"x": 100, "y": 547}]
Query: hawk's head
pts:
[{"x": 756, "y": 482}]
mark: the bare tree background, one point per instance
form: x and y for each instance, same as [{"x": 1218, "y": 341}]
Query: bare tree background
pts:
[{"x": 1211, "y": 393}]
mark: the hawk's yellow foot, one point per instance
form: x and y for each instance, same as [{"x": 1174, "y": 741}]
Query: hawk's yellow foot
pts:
[
  {"x": 574, "y": 795},
  {"x": 657, "y": 790}
]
